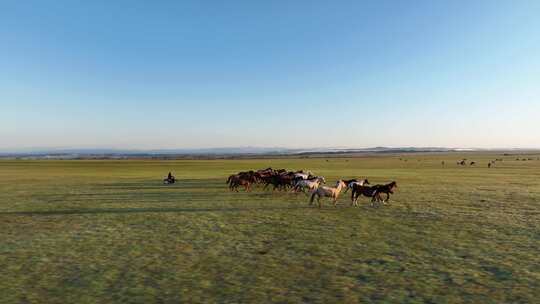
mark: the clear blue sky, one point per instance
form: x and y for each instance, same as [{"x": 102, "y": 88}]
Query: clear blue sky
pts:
[{"x": 184, "y": 74}]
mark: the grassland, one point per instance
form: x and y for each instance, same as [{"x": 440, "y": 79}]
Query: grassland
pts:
[{"x": 109, "y": 231}]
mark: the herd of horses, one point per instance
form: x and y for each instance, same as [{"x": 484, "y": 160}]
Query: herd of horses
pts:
[{"x": 305, "y": 181}]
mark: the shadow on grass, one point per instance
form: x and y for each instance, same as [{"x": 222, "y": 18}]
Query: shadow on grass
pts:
[
  {"x": 150, "y": 210},
  {"x": 145, "y": 184}
]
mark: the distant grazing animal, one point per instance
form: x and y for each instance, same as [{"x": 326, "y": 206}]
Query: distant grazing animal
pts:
[
  {"x": 473, "y": 163},
  {"x": 332, "y": 192},
  {"x": 442, "y": 163}
]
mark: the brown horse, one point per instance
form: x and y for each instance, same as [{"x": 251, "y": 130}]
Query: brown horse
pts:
[
  {"x": 241, "y": 180},
  {"x": 373, "y": 192},
  {"x": 279, "y": 181},
  {"x": 332, "y": 192},
  {"x": 386, "y": 189}
]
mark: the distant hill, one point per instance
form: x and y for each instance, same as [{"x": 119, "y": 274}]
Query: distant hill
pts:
[{"x": 218, "y": 152}]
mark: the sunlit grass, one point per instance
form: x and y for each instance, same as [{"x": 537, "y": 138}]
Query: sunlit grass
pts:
[{"x": 109, "y": 231}]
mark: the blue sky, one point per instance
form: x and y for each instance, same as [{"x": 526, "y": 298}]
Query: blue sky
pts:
[{"x": 188, "y": 74}]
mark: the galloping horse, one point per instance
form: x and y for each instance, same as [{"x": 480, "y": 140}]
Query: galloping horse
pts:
[
  {"x": 279, "y": 181},
  {"x": 235, "y": 181},
  {"x": 373, "y": 192},
  {"x": 310, "y": 184},
  {"x": 350, "y": 183},
  {"x": 303, "y": 175},
  {"x": 332, "y": 192},
  {"x": 358, "y": 190},
  {"x": 386, "y": 189}
]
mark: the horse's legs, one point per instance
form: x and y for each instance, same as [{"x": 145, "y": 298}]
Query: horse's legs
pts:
[
  {"x": 355, "y": 199},
  {"x": 373, "y": 200},
  {"x": 379, "y": 199},
  {"x": 387, "y": 197},
  {"x": 312, "y": 198}
]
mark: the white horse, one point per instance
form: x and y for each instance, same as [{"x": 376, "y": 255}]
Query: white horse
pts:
[
  {"x": 303, "y": 176},
  {"x": 324, "y": 191},
  {"x": 310, "y": 184}
]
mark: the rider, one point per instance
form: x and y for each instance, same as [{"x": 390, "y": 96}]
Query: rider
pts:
[{"x": 170, "y": 178}]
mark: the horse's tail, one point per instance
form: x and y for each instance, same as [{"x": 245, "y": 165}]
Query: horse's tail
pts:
[{"x": 229, "y": 179}]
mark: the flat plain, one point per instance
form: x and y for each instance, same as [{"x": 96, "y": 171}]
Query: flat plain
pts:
[{"x": 103, "y": 231}]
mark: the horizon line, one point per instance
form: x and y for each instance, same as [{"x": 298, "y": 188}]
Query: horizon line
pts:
[{"x": 87, "y": 150}]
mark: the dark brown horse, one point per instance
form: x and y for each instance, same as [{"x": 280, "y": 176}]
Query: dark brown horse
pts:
[
  {"x": 374, "y": 192},
  {"x": 245, "y": 179},
  {"x": 358, "y": 190},
  {"x": 236, "y": 181},
  {"x": 386, "y": 189}
]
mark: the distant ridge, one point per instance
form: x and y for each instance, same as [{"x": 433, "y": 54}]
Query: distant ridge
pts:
[{"x": 220, "y": 152}]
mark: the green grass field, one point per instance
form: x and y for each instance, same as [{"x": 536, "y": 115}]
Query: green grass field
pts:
[{"x": 109, "y": 231}]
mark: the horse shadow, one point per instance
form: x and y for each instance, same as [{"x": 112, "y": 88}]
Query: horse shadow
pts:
[{"x": 149, "y": 210}]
